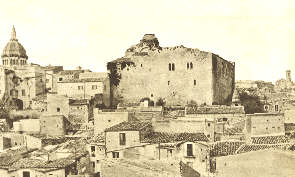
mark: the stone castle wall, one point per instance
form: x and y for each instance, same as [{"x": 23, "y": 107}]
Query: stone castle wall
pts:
[{"x": 176, "y": 74}]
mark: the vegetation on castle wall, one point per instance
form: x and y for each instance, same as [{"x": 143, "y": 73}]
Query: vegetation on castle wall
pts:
[
  {"x": 160, "y": 102},
  {"x": 114, "y": 75}
]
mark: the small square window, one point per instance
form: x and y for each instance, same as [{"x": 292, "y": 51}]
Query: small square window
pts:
[
  {"x": 58, "y": 109},
  {"x": 115, "y": 154}
]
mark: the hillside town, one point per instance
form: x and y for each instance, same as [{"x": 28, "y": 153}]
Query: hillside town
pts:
[{"x": 157, "y": 111}]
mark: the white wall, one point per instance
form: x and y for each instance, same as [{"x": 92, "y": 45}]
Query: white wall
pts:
[{"x": 105, "y": 120}]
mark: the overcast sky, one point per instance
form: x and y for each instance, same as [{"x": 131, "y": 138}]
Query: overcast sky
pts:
[{"x": 258, "y": 35}]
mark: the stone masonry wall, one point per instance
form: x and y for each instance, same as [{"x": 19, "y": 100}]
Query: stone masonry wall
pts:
[{"x": 176, "y": 74}]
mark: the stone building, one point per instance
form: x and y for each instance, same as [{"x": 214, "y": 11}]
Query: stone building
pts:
[
  {"x": 19, "y": 81},
  {"x": 177, "y": 74}
]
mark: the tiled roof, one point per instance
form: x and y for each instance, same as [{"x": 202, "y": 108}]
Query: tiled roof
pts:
[
  {"x": 233, "y": 131},
  {"x": 255, "y": 147},
  {"x": 78, "y": 102},
  {"x": 128, "y": 105},
  {"x": 215, "y": 110},
  {"x": 164, "y": 137},
  {"x": 11, "y": 156},
  {"x": 128, "y": 126},
  {"x": 120, "y": 60},
  {"x": 269, "y": 139},
  {"x": 222, "y": 148},
  {"x": 67, "y": 72},
  {"x": 82, "y": 80},
  {"x": 175, "y": 113}
]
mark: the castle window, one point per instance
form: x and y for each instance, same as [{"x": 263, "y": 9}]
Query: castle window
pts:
[
  {"x": 266, "y": 107},
  {"x": 168, "y": 82},
  {"x": 276, "y": 107},
  {"x": 58, "y": 109},
  {"x": 191, "y": 65},
  {"x": 169, "y": 66},
  {"x": 208, "y": 124},
  {"x": 94, "y": 87},
  {"x": 16, "y": 93},
  {"x": 236, "y": 104},
  {"x": 152, "y": 95},
  {"x": 60, "y": 79},
  {"x": 187, "y": 65},
  {"x": 195, "y": 82},
  {"x": 140, "y": 65},
  {"x": 105, "y": 88},
  {"x": 23, "y": 92},
  {"x": 173, "y": 66},
  {"x": 127, "y": 69}
]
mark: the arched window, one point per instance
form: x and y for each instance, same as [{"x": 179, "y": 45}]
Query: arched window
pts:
[
  {"x": 10, "y": 61},
  {"x": 191, "y": 65},
  {"x": 173, "y": 67}
]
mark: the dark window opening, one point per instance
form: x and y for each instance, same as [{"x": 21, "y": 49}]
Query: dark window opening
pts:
[
  {"x": 195, "y": 82},
  {"x": 168, "y": 82},
  {"x": 225, "y": 119},
  {"x": 187, "y": 65},
  {"x": 208, "y": 124},
  {"x": 115, "y": 154},
  {"x": 189, "y": 150},
  {"x": 173, "y": 66},
  {"x": 93, "y": 151},
  {"x": 59, "y": 79},
  {"x": 191, "y": 64},
  {"x": 276, "y": 107},
  {"x": 169, "y": 66},
  {"x": 58, "y": 109},
  {"x": 26, "y": 174}
]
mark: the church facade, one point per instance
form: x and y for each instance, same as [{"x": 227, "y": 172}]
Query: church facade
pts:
[
  {"x": 20, "y": 81},
  {"x": 179, "y": 75}
]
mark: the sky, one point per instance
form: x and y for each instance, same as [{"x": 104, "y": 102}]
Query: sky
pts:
[{"x": 259, "y": 36}]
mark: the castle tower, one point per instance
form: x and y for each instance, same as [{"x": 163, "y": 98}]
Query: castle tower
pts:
[
  {"x": 14, "y": 54},
  {"x": 288, "y": 76}
]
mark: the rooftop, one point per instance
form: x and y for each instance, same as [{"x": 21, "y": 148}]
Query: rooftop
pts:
[
  {"x": 129, "y": 126},
  {"x": 163, "y": 137},
  {"x": 82, "y": 80},
  {"x": 215, "y": 110}
]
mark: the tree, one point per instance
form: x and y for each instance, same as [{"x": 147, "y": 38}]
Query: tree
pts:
[
  {"x": 160, "y": 102},
  {"x": 4, "y": 114},
  {"x": 251, "y": 103}
]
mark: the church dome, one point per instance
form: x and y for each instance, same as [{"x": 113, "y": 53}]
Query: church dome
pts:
[{"x": 13, "y": 48}]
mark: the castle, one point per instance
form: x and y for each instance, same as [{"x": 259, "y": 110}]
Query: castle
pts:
[{"x": 179, "y": 75}]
